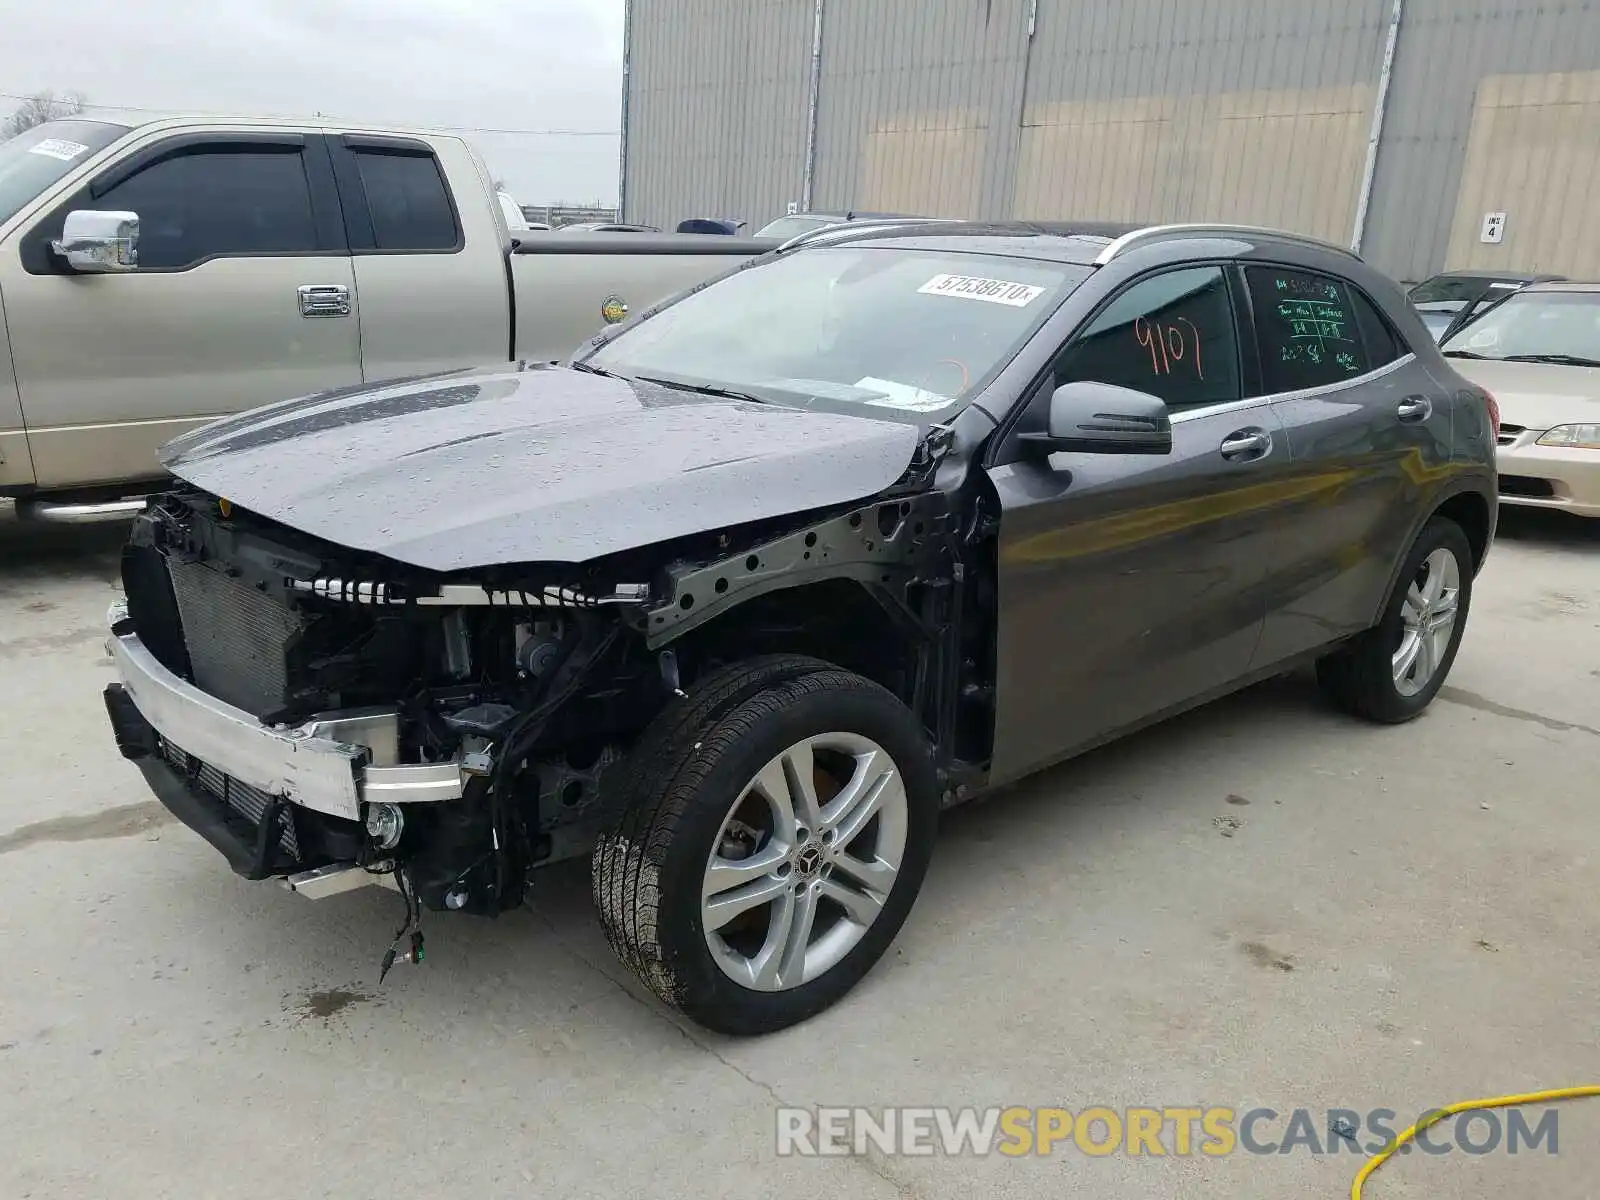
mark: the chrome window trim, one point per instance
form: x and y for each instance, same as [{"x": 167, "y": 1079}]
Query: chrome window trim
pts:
[{"x": 1343, "y": 385}]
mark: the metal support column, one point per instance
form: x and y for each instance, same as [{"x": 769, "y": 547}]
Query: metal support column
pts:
[
  {"x": 1375, "y": 137},
  {"x": 813, "y": 97}
]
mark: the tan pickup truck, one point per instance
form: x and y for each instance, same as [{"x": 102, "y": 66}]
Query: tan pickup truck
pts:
[{"x": 155, "y": 276}]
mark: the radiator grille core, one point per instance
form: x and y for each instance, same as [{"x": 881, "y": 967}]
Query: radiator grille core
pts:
[{"x": 235, "y": 635}]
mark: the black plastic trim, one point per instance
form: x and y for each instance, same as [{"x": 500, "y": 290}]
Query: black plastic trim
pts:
[
  {"x": 135, "y": 737},
  {"x": 251, "y": 851},
  {"x": 149, "y": 156}
]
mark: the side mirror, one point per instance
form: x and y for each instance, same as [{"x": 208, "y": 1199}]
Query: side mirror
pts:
[
  {"x": 99, "y": 243},
  {"x": 1101, "y": 418}
]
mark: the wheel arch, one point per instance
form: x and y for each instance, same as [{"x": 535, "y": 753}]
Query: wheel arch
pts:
[
  {"x": 877, "y": 590},
  {"x": 1469, "y": 508}
]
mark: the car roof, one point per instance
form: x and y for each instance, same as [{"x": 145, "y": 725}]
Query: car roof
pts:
[{"x": 1507, "y": 276}]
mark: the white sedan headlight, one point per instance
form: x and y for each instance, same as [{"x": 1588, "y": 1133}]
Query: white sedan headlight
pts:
[{"x": 1580, "y": 437}]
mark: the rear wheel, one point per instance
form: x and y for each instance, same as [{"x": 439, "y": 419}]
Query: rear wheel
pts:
[
  {"x": 1393, "y": 671},
  {"x": 766, "y": 868}
]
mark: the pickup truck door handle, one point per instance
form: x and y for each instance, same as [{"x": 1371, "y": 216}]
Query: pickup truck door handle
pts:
[
  {"x": 324, "y": 300},
  {"x": 1414, "y": 408},
  {"x": 1246, "y": 444}
]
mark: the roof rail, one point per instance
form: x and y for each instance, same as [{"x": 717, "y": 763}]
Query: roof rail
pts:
[
  {"x": 1153, "y": 233},
  {"x": 853, "y": 228}
]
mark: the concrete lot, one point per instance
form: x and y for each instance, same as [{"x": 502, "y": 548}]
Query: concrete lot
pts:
[{"x": 1260, "y": 904}]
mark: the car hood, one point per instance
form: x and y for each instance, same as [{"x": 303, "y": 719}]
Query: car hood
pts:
[
  {"x": 1537, "y": 395},
  {"x": 531, "y": 464}
]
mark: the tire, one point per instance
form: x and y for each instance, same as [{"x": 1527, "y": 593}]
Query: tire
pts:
[
  {"x": 1362, "y": 677},
  {"x": 694, "y": 784}
]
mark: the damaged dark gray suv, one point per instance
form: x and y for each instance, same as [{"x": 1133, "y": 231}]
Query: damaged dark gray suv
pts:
[{"x": 739, "y": 597}]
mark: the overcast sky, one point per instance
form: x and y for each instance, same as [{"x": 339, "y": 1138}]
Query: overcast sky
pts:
[{"x": 488, "y": 64}]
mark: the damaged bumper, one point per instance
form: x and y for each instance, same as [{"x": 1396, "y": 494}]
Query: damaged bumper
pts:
[{"x": 275, "y": 800}]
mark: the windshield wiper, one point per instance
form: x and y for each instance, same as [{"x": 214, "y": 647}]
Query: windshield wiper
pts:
[
  {"x": 1466, "y": 354},
  {"x": 702, "y": 389},
  {"x": 590, "y": 369},
  {"x": 1564, "y": 360}
]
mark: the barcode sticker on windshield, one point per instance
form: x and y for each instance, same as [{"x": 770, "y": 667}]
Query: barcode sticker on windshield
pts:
[
  {"x": 990, "y": 291},
  {"x": 58, "y": 148}
]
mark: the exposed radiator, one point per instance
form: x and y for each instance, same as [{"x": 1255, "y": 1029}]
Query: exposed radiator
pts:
[{"x": 235, "y": 637}]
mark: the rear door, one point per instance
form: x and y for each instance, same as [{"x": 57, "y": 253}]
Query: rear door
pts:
[
  {"x": 1370, "y": 439},
  {"x": 234, "y": 227},
  {"x": 429, "y": 253},
  {"x": 1130, "y": 584}
]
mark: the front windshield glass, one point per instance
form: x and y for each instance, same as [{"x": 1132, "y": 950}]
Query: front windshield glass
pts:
[
  {"x": 1535, "y": 325},
  {"x": 886, "y": 331},
  {"x": 33, "y": 160}
]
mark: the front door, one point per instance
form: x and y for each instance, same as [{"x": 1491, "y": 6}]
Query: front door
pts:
[
  {"x": 232, "y": 227},
  {"x": 1130, "y": 584}
]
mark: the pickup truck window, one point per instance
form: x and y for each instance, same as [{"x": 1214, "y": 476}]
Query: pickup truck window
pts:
[
  {"x": 408, "y": 200},
  {"x": 207, "y": 202},
  {"x": 32, "y": 161},
  {"x": 884, "y": 331}
]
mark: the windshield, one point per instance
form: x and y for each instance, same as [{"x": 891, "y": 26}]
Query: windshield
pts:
[
  {"x": 884, "y": 331},
  {"x": 32, "y": 161},
  {"x": 1535, "y": 325},
  {"x": 1437, "y": 320},
  {"x": 788, "y": 227},
  {"x": 1444, "y": 288}
]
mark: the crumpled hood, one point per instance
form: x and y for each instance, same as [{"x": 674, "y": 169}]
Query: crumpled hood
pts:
[
  {"x": 1537, "y": 395},
  {"x": 531, "y": 464}
]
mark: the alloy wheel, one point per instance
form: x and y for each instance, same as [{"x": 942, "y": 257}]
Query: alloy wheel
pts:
[
  {"x": 1427, "y": 622},
  {"x": 804, "y": 861}
]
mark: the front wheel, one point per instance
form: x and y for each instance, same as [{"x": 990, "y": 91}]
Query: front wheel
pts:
[
  {"x": 1393, "y": 671},
  {"x": 763, "y": 872}
]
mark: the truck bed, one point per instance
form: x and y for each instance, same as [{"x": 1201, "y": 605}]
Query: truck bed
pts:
[{"x": 563, "y": 282}]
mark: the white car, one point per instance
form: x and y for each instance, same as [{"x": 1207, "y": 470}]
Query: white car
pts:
[{"x": 1538, "y": 353}]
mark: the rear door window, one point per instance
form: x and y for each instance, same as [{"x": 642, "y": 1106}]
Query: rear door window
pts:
[
  {"x": 408, "y": 200},
  {"x": 1312, "y": 330}
]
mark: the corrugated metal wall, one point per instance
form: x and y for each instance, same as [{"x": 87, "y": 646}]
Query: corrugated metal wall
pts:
[
  {"x": 716, "y": 108},
  {"x": 1457, "y": 64},
  {"x": 1242, "y": 110}
]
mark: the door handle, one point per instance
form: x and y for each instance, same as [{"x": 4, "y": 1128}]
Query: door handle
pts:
[
  {"x": 1414, "y": 408},
  {"x": 324, "y": 300},
  {"x": 1246, "y": 444}
]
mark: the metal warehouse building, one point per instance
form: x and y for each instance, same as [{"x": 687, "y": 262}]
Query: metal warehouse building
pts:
[{"x": 1431, "y": 133}]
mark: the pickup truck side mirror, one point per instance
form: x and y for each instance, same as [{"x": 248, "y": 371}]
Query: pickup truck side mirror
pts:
[
  {"x": 99, "y": 243},
  {"x": 1102, "y": 418}
]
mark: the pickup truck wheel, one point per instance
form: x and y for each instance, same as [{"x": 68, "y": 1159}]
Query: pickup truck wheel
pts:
[
  {"x": 1393, "y": 671},
  {"x": 755, "y": 880}
]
